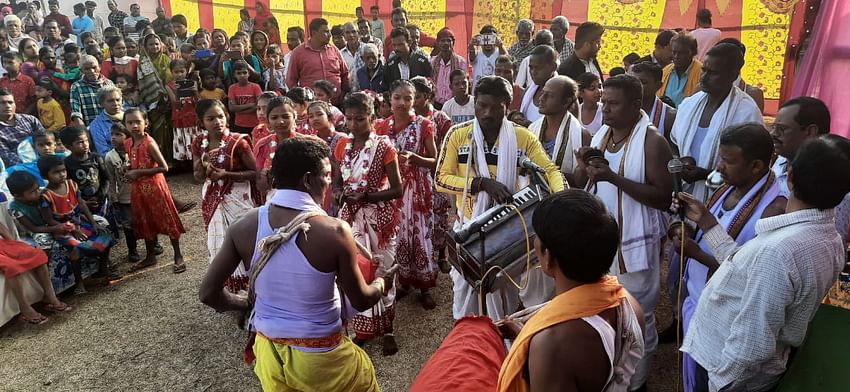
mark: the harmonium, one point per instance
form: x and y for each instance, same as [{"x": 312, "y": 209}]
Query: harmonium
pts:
[{"x": 497, "y": 238}]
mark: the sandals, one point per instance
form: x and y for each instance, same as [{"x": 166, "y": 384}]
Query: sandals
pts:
[
  {"x": 187, "y": 207},
  {"x": 38, "y": 320},
  {"x": 62, "y": 307},
  {"x": 141, "y": 266},
  {"x": 179, "y": 268}
]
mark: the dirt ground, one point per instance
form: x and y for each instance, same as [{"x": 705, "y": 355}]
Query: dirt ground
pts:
[{"x": 149, "y": 332}]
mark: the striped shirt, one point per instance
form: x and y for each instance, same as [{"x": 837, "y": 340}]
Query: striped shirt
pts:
[{"x": 760, "y": 301}]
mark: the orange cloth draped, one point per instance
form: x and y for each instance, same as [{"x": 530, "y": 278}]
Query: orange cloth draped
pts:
[
  {"x": 468, "y": 360},
  {"x": 583, "y": 301}
]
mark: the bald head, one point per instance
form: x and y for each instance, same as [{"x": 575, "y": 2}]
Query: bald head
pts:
[{"x": 559, "y": 94}]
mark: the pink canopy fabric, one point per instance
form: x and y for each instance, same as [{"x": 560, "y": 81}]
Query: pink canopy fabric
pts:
[{"x": 827, "y": 64}]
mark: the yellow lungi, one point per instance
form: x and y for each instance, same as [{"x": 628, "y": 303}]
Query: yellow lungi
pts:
[{"x": 283, "y": 368}]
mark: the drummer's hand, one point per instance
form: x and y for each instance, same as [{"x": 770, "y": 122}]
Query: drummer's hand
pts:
[
  {"x": 498, "y": 191},
  {"x": 509, "y": 328}
]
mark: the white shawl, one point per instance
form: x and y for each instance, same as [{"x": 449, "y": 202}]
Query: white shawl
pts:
[
  {"x": 640, "y": 225},
  {"x": 738, "y": 108},
  {"x": 506, "y": 168},
  {"x": 564, "y": 148},
  {"x": 528, "y": 97}
]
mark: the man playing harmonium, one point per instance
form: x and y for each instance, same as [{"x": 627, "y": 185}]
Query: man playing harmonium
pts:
[{"x": 493, "y": 143}]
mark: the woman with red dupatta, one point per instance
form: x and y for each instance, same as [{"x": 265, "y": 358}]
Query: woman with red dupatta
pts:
[
  {"x": 225, "y": 163},
  {"x": 413, "y": 137},
  {"x": 366, "y": 174},
  {"x": 266, "y": 22},
  {"x": 443, "y": 206}
]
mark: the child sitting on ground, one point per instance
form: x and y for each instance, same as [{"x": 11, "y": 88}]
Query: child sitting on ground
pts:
[
  {"x": 42, "y": 143},
  {"x": 17, "y": 257},
  {"x": 62, "y": 204}
]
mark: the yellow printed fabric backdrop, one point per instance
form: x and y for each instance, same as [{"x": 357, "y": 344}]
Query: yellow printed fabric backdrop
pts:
[
  {"x": 628, "y": 28},
  {"x": 631, "y": 25}
]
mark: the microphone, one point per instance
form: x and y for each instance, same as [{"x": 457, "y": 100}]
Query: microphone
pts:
[
  {"x": 528, "y": 164},
  {"x": 674, "y": 167}
]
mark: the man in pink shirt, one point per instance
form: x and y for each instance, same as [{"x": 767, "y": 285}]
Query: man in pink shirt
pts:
[
  {"x": 705, "y": 35},
  {"x": 317, "y": 60}
]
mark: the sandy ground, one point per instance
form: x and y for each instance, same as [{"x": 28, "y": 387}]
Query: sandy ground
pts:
[{"x": 149, "y": 332}]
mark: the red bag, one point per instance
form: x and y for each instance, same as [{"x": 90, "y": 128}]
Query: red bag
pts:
[{"x": 367, "y": 268}]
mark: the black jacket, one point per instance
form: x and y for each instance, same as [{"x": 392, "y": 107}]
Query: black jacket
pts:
[
  {"x": 419, "y": 66},
  {"x": 573, "y": 67}
]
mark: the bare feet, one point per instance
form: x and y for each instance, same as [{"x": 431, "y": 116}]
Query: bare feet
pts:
[
  {"x": 444, "y": 266},
  {"x": 427, "y": 300},
  {"x": 390, "y": 346},
  {"x": 58, "y": 307}
]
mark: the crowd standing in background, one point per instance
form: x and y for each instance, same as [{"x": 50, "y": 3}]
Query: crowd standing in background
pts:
[{"x": 403, "y": 137}]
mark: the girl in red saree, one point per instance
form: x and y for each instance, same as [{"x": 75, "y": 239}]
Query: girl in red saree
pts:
[
  {"x": 319, "y": 116},
  {"x": 225, "y": 163},
  {"x": 366, "y": 174},
  {"x": 281, "y": 122},
  {"x": 442, "y": 204},
  {"x": 413, "y": 138}
]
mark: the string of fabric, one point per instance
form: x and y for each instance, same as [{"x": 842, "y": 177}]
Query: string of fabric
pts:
[{"x": 499, "y": 268}]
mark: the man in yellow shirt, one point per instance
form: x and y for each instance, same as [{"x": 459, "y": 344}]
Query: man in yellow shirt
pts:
[{"x": 493, "y": 144}]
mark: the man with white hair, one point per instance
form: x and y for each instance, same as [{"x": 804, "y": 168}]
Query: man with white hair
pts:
[
  {"x": 523, "y": 46},
  {"x": 85, "y": 105},
  {"x": 563, "y": 45},
  {"x": 371, "y": 75},
  {"x": 14, "y": 31}
]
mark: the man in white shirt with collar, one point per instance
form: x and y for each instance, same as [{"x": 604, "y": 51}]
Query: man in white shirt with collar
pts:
[
  {"x": 758, "y": 304},
  {"x": 352, "y": 52}
]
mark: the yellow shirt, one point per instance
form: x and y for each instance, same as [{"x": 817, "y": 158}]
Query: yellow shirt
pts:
[
  {"x": 51, "y": 115},
  {"x": 451, "y": 165},
  {"x": 213, "y": 94}
]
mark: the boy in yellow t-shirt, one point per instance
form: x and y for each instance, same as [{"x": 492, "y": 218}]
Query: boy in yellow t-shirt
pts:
[
  {"x": 209, "y": 90},
  {"x": 49, "y": 111}
]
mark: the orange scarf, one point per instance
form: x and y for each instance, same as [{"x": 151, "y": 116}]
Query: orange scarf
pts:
[{"x": 582, "y": 301}]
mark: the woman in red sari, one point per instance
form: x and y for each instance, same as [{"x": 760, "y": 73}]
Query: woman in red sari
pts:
[
  {"x": 153, "y": 208},
  {"x": 413, "y": 138},
  {"x": 280, "y": 114},
  {"x": 422, "y": 104},
  {"x": 266, "y": 22},
  {"x": 366, "y": 174},
  {"x": 225, "y": 163}
]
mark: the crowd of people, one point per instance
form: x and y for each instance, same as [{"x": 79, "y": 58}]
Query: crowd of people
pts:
[{"x": 379, "y": 149}]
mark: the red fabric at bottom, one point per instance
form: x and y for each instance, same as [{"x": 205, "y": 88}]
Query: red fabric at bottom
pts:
[
  {"x": 17, "y": 257},
  {"x": 469, "y": 359}
]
